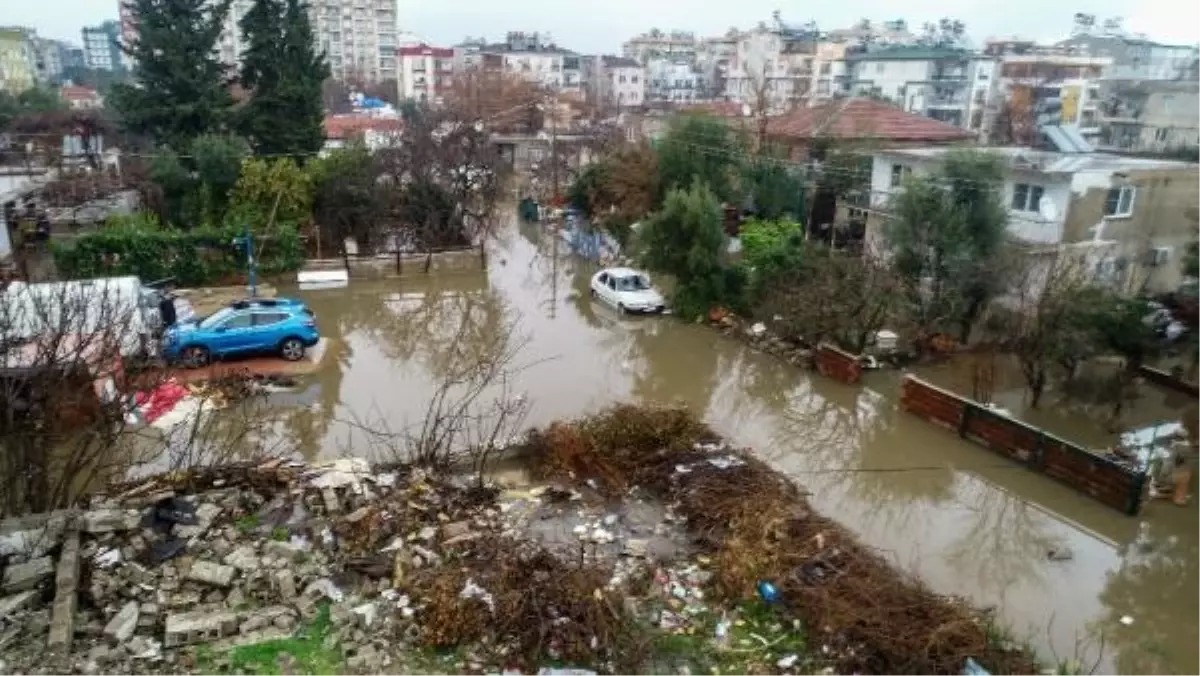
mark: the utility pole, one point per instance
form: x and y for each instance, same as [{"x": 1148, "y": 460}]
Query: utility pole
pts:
[{"x": 554, "y": 145}]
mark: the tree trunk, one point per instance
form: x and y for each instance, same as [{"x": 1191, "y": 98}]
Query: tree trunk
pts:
[{"x": 1037, "y": 385}]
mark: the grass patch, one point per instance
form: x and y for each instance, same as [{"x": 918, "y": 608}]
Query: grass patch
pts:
[
  {"x": 758, "y": 637},
  {"x": 247, "y": 523},
  {"x": 304, "y": 653},
  {"x": 281, "y": 534}
]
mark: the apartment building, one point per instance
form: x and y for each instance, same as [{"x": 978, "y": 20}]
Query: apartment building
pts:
[
  {"x": 359, "y": 38},
  {"x": 951, "y": 85},
  {"x": 1136, "y": 58},
  {"x": 615, "y": 82},
  {"x": 1149, "y": 116},
  {"x": 1066, "y": 78},
  {"x": 673, "y": 46},
  {"x": 674, "y": 82},
  {"x": 18, "y": 70},
  {"x": 534, "y": 57},
  {"x": 102, "y": 46},
  {"x": 772, "y": 68},
  {"x": 424, "y": 73}
]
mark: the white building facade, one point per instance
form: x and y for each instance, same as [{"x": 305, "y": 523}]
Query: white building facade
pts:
[
  {"x": 950, "y": 85},
  {"x": 424, "y": 73},
  {"x": 656, "y": 44},
  {"x": 673, "y": 82},
  {"x": 615, "y": 82}
]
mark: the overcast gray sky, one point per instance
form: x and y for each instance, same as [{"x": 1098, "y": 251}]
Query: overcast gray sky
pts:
[{"x": 601, "y": 26}]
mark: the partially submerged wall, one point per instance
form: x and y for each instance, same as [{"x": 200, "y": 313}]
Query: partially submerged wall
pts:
[
  {"x": 404, "y": 265},
  {"x": 1107, "y": 481}
]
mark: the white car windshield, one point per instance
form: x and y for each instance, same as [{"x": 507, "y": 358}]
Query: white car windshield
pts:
[
  {"x": 633, "y": 283},
  {"x": 215, "y": 318}
]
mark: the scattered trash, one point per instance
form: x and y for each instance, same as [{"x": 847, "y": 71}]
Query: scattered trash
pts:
[
  {"x": 473, "y": 591},
  {"x": 556, "y": 671},
  {"x": 107, "y": 558},
  {"x": 1060, "y": 553},
  {"x": 769, "y": 592},
  {"x": 1126, "y": 620},
  {"x": 973, "y": 668},
  {"x": 788, "y": 661},
  {"x": 725, "y": 462},
  {"x": 340, "y": 473},
  {"x": 757, "y": 329}
]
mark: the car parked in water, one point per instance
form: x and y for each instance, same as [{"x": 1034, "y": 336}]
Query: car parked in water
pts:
[
  {"x": 627, "y": 290},
  {"x": 256, "y": 326}
]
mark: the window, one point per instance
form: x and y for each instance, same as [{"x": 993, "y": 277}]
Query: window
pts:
[
  {"x": 633, "y": 79},
  {"x": 879, "y": 68},
  {"x": 241, "y": 321},
  {"x": 1119, "y": 203},
  {"x": 899, "y": 173},
  {"x": 1027, "y": 197},
  {"x": 268, "y": 318},
  {"x": 1160, "y": 134},
  {"x": 826, "y": 67},
  {"x": 621, "y": 79}
]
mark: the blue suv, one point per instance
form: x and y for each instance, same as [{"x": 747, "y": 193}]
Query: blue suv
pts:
[{"x": 284, "y": 326}]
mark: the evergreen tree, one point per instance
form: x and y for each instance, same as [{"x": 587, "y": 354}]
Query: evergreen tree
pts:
[
  {"x": 284, "y": 73},
  {"x": 180, "y": 89}
]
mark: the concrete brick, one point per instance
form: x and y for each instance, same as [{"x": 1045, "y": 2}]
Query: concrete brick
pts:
[
  {"x": 109, "y": 520},
  {"x": 199, "y": 626},
  {"x": 124, "y": 623},
  {"x": 208, "y": 572},
  {"x": 11, "y": 604},
  {"x": 22, "y": 576}
]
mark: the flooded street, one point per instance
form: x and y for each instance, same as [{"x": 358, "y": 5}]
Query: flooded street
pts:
[{"x": 967, "y": 521}]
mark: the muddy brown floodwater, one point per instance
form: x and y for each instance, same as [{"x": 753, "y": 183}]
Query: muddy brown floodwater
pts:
[{"x": 965, "y": 520}]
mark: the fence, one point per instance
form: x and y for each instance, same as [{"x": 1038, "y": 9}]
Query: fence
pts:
[
  {"x": 466, "y": 259},
  {"x": 1107, "y": 481},
  {"x": 838, "y": 364}
]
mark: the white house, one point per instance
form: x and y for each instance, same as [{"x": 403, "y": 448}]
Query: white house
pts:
[
  {"x": 1130, "y": 218},
  {"x": 424, "y": 73},
  {"x": 536, "y": 58}
]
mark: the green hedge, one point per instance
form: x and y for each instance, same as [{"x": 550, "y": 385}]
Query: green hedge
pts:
[{"x": 193, "y": 257}]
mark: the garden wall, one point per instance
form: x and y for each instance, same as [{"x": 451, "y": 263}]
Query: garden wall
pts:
[
  {"x": 838, "y": 364},
  {"x": 1109, "y": 482},
  {"x": 405, "y": 265}
]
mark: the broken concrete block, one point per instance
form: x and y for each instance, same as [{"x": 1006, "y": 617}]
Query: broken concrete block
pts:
[
  {"x": 201, "y": 626},
  {"x": 636, "y": 548},
  {"x": 243, "y": 558},
  {"x": 286, "y": 585},
  {"x": 457, "y": 529},
  {"x": 332, "y": 504},
  {"x": 11, "y": 604},
  {"x": 124, "y": 623},
  {"x": 205, "y": 514},
  {"x": 358, "y": 514},
  {"x": 211, "y": 573},
  {"x": 22, "y": 576},
  {"x": 109, "y": 520},
  {"x": 287, "y": 551},
  {"x": 263, "y": 618}
]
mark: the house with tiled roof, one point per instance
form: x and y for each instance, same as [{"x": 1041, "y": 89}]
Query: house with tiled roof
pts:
[
  {"x": 375, "y": 131},
  {"x": 81, "y": 98},
  {"x": 860, "y": 121}
]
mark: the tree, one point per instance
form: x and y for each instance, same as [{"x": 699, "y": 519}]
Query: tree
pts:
[
  {"x": 217, "y": 161},
  {"x": 700, "y": 148},
  {"x": 770, "y": 249},
  {"x": 946, "y": 234},
  {"x": 345, "y": 199},
  {"x": 180, "y": 90},
  {"x": 831, "y": 295},
  {"x": 1043, "y": 325},
  {"x": 774, "y": 192},
  {"x": 277, "y": 186},
  {"x": 506, "y": 102},
  {"x": 284, "y": 75},
  {"x": 686, "y": 240}
]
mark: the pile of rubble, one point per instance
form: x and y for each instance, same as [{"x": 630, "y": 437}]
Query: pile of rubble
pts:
[{"x": 138, "y": 579}]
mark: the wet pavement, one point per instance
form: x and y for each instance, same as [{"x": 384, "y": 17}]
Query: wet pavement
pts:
[{"x": 968, "y": 522}]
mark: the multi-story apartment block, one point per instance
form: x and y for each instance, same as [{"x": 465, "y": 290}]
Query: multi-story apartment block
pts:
[
  {"x": 359, "y": 38},
  {"x": 772, "y": 68},
  {"x": 49, "y": 59},
  {"x": 829, "y": 62},
  {"x": 674, "y": 82},
  {"x": 1067, "y": 78},
  {"x": 675, "y": 46},
  {"x": 534, "y": 57},
  {"x": 18, "y": 69},
  {"x": 102, "y": 46},
  {"x": 951, "y": 85},
  {"x": 615, "y": 82},
  {"x": 1135, "y": 58},
  {"x": 424, "y": 73},
  {"x": 714, "y": 59},
  {"x": 1149, "y": 116}
]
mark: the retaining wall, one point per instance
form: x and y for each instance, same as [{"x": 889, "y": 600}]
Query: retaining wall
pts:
[
  {"x": 1109, "y": 482},
  {"x": 404, "y": 265},
  {"x": 838, "y": 364}
]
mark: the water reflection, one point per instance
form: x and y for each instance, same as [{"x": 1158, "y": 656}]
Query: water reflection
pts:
[{"x": 967, "y": 521}]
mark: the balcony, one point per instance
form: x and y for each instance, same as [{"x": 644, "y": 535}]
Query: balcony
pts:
[{"x": 946, "y": 101}]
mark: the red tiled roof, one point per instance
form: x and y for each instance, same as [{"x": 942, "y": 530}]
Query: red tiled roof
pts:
[
  {"x": 717, "y": 108},
  {"x": 863, "y": 118},
  {"x": 344, "y": 126},
  {"x": 425, "y": 50}
]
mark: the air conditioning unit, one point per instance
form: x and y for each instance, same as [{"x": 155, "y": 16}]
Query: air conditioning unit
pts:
[{"x": 1158, "y": 255}]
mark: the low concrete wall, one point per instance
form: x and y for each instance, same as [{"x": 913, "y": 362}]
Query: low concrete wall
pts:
[
  {"x": 1113, "y": 484},
  {"x": 833, "y": 362},
  {"x": 405, "y": 265}
]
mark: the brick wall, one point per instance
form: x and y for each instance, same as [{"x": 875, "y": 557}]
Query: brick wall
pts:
[
  {"x": 1113, "y": 484},
  {"x": 838, "y": 364}
]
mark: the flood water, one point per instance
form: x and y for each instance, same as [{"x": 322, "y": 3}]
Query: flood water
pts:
[{"x": 967, "y": 521}]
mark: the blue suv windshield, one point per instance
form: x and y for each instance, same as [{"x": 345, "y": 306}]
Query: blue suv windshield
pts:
[{"x": 215, "y": 318}]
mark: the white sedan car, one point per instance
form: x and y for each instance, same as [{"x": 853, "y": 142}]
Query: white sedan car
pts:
[{"x": 627, "y": 290}]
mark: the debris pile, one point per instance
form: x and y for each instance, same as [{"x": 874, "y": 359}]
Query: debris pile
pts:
[{"x": 866, "y": 616}]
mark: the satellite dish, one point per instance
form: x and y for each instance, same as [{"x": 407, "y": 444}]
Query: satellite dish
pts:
[{"x": 1048, "y": 211}]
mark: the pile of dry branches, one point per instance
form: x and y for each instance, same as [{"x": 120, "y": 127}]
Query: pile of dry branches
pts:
[{"x": 757, "y": 526}]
